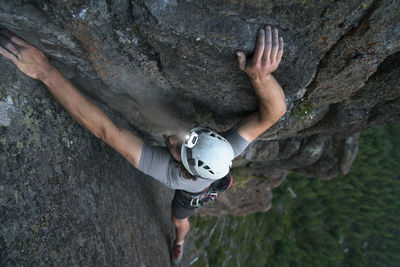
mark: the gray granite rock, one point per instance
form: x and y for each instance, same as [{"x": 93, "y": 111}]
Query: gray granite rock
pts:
[
  {"x": 159, "y": 67},
  {"x": 65, "y": 197},
  {"x": 168, "y": 65}
]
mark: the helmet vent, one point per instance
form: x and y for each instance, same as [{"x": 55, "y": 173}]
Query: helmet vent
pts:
[
  {"x": 192, "y": 162},
  {"x": 200, "y": 163},
  {"x": 206, "y": 167},
  {"x": 212, "y": 134},
  {"x": 211, "y": 172},
  {"x": 219, "y": 138}
]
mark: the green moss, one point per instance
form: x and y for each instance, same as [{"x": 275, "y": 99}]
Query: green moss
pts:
[
  {"x": 302, "y": 109},
  {"x": 203, "y": 116},
  {"x": 240, "y": 181}
]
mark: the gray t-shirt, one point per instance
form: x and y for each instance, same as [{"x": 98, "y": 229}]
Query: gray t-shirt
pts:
[{"x": 158, "y": 162}]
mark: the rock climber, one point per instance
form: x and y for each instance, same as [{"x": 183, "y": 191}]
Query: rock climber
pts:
[{"x": 197, "y": 167}]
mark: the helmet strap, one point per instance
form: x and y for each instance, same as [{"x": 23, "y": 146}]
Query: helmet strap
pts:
[{"x": 188, "y": 157}]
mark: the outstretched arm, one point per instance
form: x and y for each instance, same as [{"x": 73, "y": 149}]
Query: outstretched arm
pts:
[
  {"x": 32, "y": 62},
  {"x": 272, "y": 103}
]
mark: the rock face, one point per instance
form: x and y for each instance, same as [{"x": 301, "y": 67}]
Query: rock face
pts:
[
  {"x": 160, "y": 67},
  {"x": 65, "y": 197},
  {"x": 68, "y": 199},
  {"x": 168, "y": 65},
  {"x": 250, "y": 192}
]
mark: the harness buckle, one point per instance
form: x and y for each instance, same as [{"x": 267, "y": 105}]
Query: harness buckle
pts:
[
  {"x": 195, "y": 202},
  {"x": 213, "y": 195}
]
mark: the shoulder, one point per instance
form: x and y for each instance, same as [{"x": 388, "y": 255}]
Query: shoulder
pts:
[
  {"x": 155, "y": 161},
  {"x": 154, "y": 154}
]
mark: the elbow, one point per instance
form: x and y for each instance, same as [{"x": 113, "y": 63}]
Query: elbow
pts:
[
  {"x": 103, "y": 133},
  {"x": 282, "y": 111},
  {"x": 110, "y": 135},
  {"x": 279, "y": 112},
  {"x": 272, "y": 118}
]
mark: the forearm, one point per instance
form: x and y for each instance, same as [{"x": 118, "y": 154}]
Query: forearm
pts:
[
  {"x": 34, "y": 63},
  {"x": 75, "y": 103},
  {"x": 272, "y": 102}
]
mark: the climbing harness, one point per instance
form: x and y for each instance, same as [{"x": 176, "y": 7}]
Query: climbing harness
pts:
[{"x": 210, "y": 193}]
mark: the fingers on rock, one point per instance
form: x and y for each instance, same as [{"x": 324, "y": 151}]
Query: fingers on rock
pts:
[
  {"x": 241, "y": 57},
  {"x": 8, "y": 55}
]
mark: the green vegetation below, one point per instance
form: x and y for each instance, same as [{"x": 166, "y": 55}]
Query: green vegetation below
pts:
[{"x": 352, "y": 220}]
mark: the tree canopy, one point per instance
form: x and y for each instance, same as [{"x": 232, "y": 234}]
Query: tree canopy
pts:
[{"x": 352, "y": 220}]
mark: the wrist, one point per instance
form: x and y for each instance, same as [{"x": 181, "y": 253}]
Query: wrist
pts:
[
  {"x": 257, "y": 81},
  {"x": 46, "y": 73}
]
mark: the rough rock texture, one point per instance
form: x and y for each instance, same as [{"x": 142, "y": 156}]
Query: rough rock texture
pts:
[
  {"x": 68, "y": 199},
  {"x": 249, "y": 193},
  {"x": 162, "y": 67}
]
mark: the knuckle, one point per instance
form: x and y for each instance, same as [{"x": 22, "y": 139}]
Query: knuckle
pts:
[{"x": 258, "y": 64}]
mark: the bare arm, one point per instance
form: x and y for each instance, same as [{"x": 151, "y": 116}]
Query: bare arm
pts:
[
  {"x": 34, "y": 63},
  {"x": 272, "y": 104}
]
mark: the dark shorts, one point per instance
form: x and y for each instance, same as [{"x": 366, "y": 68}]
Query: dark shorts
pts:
[{"x": 181, "y": 208}]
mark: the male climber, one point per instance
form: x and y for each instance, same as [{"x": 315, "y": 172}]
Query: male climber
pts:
[{"x": 191, "y": 166}]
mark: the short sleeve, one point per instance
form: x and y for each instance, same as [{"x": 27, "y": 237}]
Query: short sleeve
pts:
[
  {"x": 155, "y": 161},
  {"x": 237, "y": 142},
  {"x": 158, "y": 163}
]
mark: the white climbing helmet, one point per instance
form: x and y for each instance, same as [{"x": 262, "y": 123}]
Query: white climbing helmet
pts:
[{"x": 206, "y": 154}]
